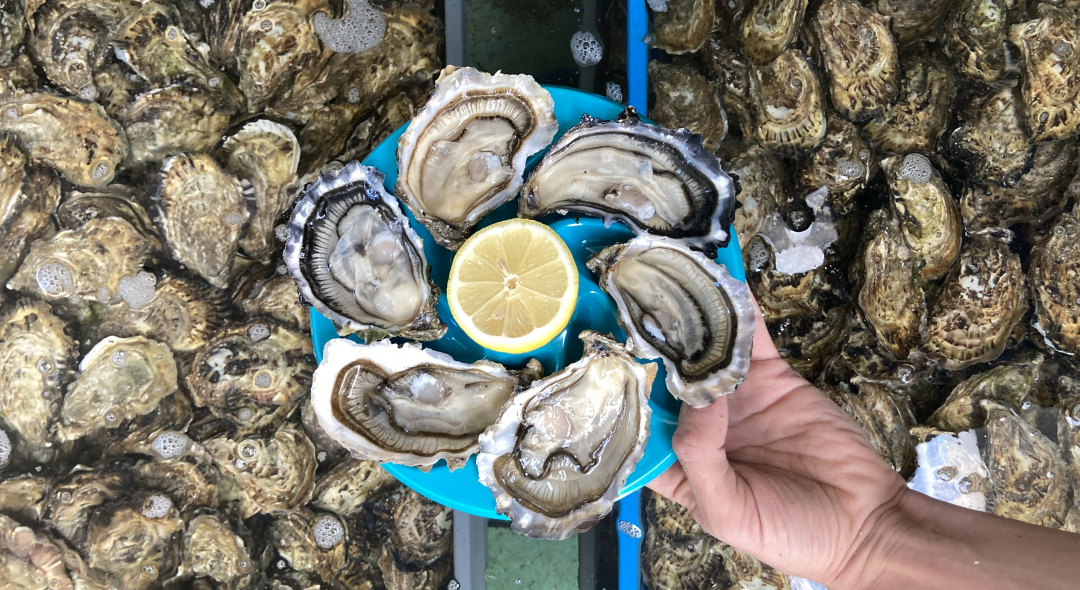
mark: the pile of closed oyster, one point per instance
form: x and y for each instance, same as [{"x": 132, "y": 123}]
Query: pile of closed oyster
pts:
[
  {"x": 155, "y": 361},
  {"x": 909, "y": 220},
  {"x": 555, "y": 450}
]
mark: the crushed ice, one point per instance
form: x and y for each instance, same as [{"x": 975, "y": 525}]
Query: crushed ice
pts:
[
  {"x": 799, "y": 252},
  {"x": 948, "y": 468}
]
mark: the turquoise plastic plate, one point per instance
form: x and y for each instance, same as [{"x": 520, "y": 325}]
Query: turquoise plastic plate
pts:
[{"x": 461, "y": 489}]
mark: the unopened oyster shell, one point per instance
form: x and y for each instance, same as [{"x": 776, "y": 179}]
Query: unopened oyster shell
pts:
[
  {"x": 310, "y": 542},
  {"x": 859, "y": 56},
  {"x": 746, "y": 571},
  {"x": 119, "y": 379},
  {"x": 345, "y": 488},
  {"x": 29, "y": 559},
  {"x": 407, "y": 405},
  {"x": 266, "y": 154},
  {"x": 843, "y": 164},
  {"x": 1055, "y": 291},
  {"x": 357, "y": 261},
  {"x": 892, "y": 303},
  {"x": 762, "y": 181},
  {"x": 201, "y": 211},
  {"x": 271, "y": 474},
  {"x": 276, "y": 298},
  {"x": 786, "y": 107},
  {"x": 73, "y": 498},
  {"x": 917, "y": 120},
  {"x": 1051, "y": 72},
  {"x": 992, "y": 139},
  {"x": 464, "y": 153},
  {"x": 928, "y": 214},
  {"x": 183, "y": 314},
  {"x": 886, "y": 418},
  {"x": 213, "y": 550},
  {"x": 679, "y": 306},
  {"x": 191, "y": 480},
  {"x": 115, "y": 200},
  {"x": 684, "y": 98},
  {"x": 167, "y": 121},
  {"x": 656, "y": 180},
  {"x": 980, "y": 303},
  {"x": 29, "y": 194},
  {"x": 1008, "y": 384},
  {"x": 676, "y": 553},
  {"x": 911, "y": 20},
  {"x": 770, "y": 26},
  {"x": 22, "y": 496},
  {"x": 416, "y": 530},
  {"x": 684, "y": 26},
  {"x": 19, "y": 78},
  {"x": 116, "y": 87},
  {"x": 277, "y": 41},
  {"x": 135, "y": 546},
  {"x": 976, "y": 32},
  {"x": 729, "y": 70},
  {"x": 1035, "y": 199},
  {"x": 13, "y": 28},
  {"x": 555, "y": 470},
  {"x": 76, "y": 138},
  {"x": 1068, "y": 432}
]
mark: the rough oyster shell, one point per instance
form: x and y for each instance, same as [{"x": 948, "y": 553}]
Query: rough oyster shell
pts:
[
  {"x": 770, "y": 26},
  {"x": 1068, "y": 432},
  {"x": 747, "y": 571},
  {"x": 309, "y": 542},
  {"x": 120, "y": 379},
  {"x": 30, "y": 558},
  {"x": 333, "y": 270},
  {"x": 980, "y": 303},
  {"x": 992, "y": 139},
  {"x": 911, "y": 20},
  {"x": 277, "y": 41},
  {"x": 190, "y": 480},
  {"x": 116, "y": 87},
  {"x": 843, "y": 164},
  {"x": 976, "y": 32},
  {"x": 13, "y": 28},
  {"x": 683, "y": 27},
  {"x": 201, "y": 211},
  {"x": 271, "y": 474},
  {"x": 1055, "y": 264},
  {"x": 677, "y": 553},
  {"x": 682, "y": 193},
  {"x": 183, "y": 314},
  {"x": 22, "y": 496},
  {"x": 276, "y": 298},
  {"x": 266, "y": 154},
  {"x": 762, "y": 180},
  {"x": 405, "y": 404},
  {"x": 132, "y": 547},
  {"x": 29, "y": 193},
  {"x": 18, "y": 79},
  {"x": 1008, "y": 384},
  {"x": 464, "y": 153},
  {"x": 928, "y": 214},
  {"x": 74, "y": 497},
  {"x": 887, "y": 420},
  {"x": 389, "y": 115},
  {"x": 552, "y": 479},
  {"x": 916, "y": 121},
  {"x": 786, "y": 108},
  {"x": 684, "y": 98},
  {"x": 345, "y": 488},
  {"x": 259, "y": 362},
  {"x": 416, "y": 530},
  {"x": 1037, "y": 197},
  {"x": 213, "y": 550},
  {"x": 171, "y": 120},
  {"x": 859, "y": 55},
  {"x": 115, "y": 200},
  {"x": 679, "y": 306},
  {"x": 76, "y": 138},
  {"x": 1050, "y": 62},
  {"x": 893, "y": 305}
]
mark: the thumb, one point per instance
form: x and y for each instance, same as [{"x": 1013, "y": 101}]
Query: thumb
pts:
[{"x": 698, "y": 443}]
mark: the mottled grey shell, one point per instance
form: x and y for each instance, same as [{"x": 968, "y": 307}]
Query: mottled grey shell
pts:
[
  {"x": 684, "y": 26},
  {"x": 770, "y": 26},
  {"x": 1055, "y": 292},
  {"x": 992, "y": 139},
  {"x": 684, "y": 98}
]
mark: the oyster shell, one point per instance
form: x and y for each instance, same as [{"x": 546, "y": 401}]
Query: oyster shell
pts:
[
  {"x": 684, "y": 26},
  {"x": 309, "y": 542},
  {"x": 656, "y": 180},
  {"x": 257, "y": 362},
  {"x": 345, "y": 488},
  {"x": 167, "y": 121},
  {"x": 464, "y": 153},
  {"x": 116, "y": 87},
  {"x": 679, "y": 306},
  {"x": 859, "y": 55},
  {"x": 916, "y": 121},
  {"x": 12, "y": 30},
  {"x": 729, "y": 70},
  {"x": 745, "y": 571},
  {"x": 992, "y": 140},
  {"x": 976, "y": 32},
  {"x": 928, "y": 215},
  {"x": 1068, "y": 432},
  {"x": 197, "y": 200},
  {"x": 22, "y": 496},
  {"x": 265, "y": 154},
  {"x": 135, "y": 546},
  {"x": 397, "y": 578},
  {"x": 389, "y": 115},
  {"x": 786, "y": 108},
  {"x": 887, "y": 420},
  {"x": 407, "y": 405},
  {"x": 29, "y": 559},
  {"x": 276, "y": 42},
  {"x": 1054, "y": 289},
  {"x": 762, "y": 181},
  {"x": 893, "y": 305},
  {"x": 684, "y": 98},
  {"x": 115, "y": 200},
  {"x": 119, "y": 379},
  {"x": 271, "y": 474},
  {"x": 213, "y": 550},
  {"x": 843, "y": 164},
  {"x": 770, "y": 26},
  {"x": 76, "y": 138},
  {"x": 1050, "y": 62},
  {"x": 1035, "y": 199},
  {"x": 676, "y": 553},
  {"x": 191, "y": 480},
  {"x": 951, "y": 469},
  {"x": 276, "y": 298},
  {"x": 355, "y": 258},
  {"x": 554, "y": 470},
  {"x": 183, "y": 314},
  {"x": 416, "y": 531},
  {"x": 29, "y": 193},
  {"x": 979, "y": 305},
  {"x": 18, "y": 79},
  {"x": 911, "y": 20},
  {"x": 1007, "y": 384},
  {"x": 73, "y": 498},
  {"x": 1027, "y": 473}
]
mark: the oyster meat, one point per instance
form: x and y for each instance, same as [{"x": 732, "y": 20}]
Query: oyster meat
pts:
[
  {"x": 167, "y": 121},
  {"x": 268, "y": 474},
  {"x": 1051, "y": 72},
  {"x": 656, "y": 180},
  {"x": 684, "y": 98},
  {"x": 357, "y": 261},
  {"x": 202, "y": 211},
  {"x": 679, "y": 306},
  {"x": 770, "y": 26},
  {"x": 1055, "y": 264},
  {"x": 29, "y": 194},
  {"x": 917, "y": 120},
  {"x": 464, "y": 153},
  {"x": 405, "y": 404},
  {"x": 563, "y": 448},
  {"x": 786, "y": 107}
]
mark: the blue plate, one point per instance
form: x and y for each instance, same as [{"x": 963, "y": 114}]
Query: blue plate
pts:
[{"x": 585, "y": 236}]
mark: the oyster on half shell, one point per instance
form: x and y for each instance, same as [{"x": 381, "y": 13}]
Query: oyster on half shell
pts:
[
  {"x": 563, "y": 448},
  {"x": 677, "y": 305},
  {"x": 656, "y": 180},
  {"x": 407, "y": 405},
  {"x": 357, "y": 261},
  {"x": 464, "y": 153}
]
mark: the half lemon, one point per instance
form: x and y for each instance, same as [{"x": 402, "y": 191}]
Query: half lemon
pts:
[{"x": 513, "y": 286}]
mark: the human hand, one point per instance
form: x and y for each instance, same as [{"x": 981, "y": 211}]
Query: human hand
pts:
[{"x": 780, "y": 472}]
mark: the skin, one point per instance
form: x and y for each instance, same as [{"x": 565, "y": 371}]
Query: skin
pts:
[{"x": 780, "y": 472}]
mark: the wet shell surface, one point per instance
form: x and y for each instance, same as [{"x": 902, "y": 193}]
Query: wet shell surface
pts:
[
  {"x": 183, "y": 314},
  {"x": 464, "y": 153},
  {"x": 917, "y": 120},
  {"x": 685, "y": 98},
  {"x": 684, "y": 25},
  {"x": 346, "y": 488},
  {"x": 1035, "y": 199},
  {"x": 679, "y": 306},
  {"x": 1051, "y": 72},
  {"x": 910, "y": 19},
  {"x": 276, "y": 41},
  {"x": 270, "y": 474},
  {"x": 171, "y": 120},
  {"x": 976, "y": 31},
  {"x": 770, "y": 26},
  {"x": 29, "y": 193},
  {"x": 928, "y": 214},
  {"x": 1008, "y": 384},
  {"x": 356, "y": 260},
  {"x": 31, "y": 558},
  {"x": 992, "y": 139},
  {"x": 563, "y": 448},
  {"x": 201, "y": 211},
  {"x": 276, "y": 298},
  {"x": 786, "y": 107},
  {"x": 407, "y": 405},
  {"x": 115, "y": 200},
  {"x": 893, "y": 305},
  {"x": 418, "y": 531},
  {"x": 1055, "y": 291},
  {"x": 310, "y": 542},
  {"x": 73, "y": 498},
  {"x": 843, "y": 164},
  {"x": 133, "y": 546},
  {"x": 762, "y": 180},
  {"x": 656, "y": 180},
  {"x": 886, "y": 419},
  {"x": 213, "y": 550}
]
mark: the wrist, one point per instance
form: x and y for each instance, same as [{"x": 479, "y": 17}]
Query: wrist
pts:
[{"x": 879, "y": 541}]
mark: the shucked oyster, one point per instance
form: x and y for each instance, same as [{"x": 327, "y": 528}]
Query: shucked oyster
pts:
[
  {"x": 654, "y": 179},
  {"x": 1051, "y": 66},
  {"x": 786, "y": 108},
  {"x": 407, "y": 405},
  {"x": 357, "y": 261},
  {"x": 270, "y": 474},
  {"x": 1055, "y": 264},
  {"x": 464, "y": 153},
  {"x": 563, "y": 448},
  {"x": 684, "y": 98},
  {"x": 683, "y": 26},
  {"x": 770, "y": 26},
  {"x": 171, "y": 120},
  {"x": 679, "y": 306},
  {"x": 29, "y": 194}
]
